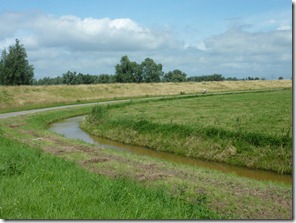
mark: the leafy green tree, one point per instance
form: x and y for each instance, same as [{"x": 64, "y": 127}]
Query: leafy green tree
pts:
[
  {"x": 49, "y": 81},
  {"x": 69, "y": 78},
  {"x": 213, "y": 77},
  {"x": 3, "y": 76},
  {"x": 105, "y": 78},
  {"x": 72, "y": 78},
  {"x": 150, "y": 71},
  {"x": 15, "y": 68},
  {"x": 174, "y": 76},
  {"x": 127, "y": 71}
]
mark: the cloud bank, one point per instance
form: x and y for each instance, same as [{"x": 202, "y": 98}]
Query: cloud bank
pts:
[
  {"x": 95, "y": 45},
  {"x": 77, "y": 34}
]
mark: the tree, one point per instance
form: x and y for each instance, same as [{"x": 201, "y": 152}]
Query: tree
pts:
[
  {"x": 15, "y": 68},
  {"x": 131, "y": 72},
  {"x": 213, "y": 77},
  {"x": 69, "y": 78},
  {"x": 150, "y": 71},
  {"x": 174, "y": 76},
  {"x": 127, "y": 71},
  {"x": 105, "y": 78},
  {"x": 3, "y": 77}
]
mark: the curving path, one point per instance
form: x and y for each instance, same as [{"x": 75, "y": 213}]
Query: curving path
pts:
[
  {"x": 12, "y": 114},
  {"x": 26, "y": 112}
]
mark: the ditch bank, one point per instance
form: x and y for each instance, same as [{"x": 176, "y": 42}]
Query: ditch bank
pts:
[{"x": 70, "y": 128}]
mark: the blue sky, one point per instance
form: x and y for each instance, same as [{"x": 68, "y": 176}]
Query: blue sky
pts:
[{"x": 200, "y": 37}]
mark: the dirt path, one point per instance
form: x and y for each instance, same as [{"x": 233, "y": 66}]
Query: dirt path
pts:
[{"x": 12, "y": 114}]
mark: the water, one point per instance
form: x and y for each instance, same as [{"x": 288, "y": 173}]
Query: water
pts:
[{"x": 70, "y": 128}]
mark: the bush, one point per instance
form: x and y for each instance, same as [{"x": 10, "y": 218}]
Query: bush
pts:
[{"x": 98, "y": 114}]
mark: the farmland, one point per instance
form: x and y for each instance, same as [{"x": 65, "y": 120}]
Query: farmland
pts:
[
  {"x": 44, "y": 175},
  {"x": 13, "y": 98},
  {"x": 245, "y": 129}
]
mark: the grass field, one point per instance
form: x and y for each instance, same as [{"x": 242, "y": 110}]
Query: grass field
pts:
[
  {"x": 13, "y": 98},
  {"x": 35, "y": 184},
  {"x": 246, "y": 129},
  {"x": 46, "y": 176}
]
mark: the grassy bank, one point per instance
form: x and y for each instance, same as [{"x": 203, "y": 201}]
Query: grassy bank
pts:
[
  {"x": 36, "y": 185},
  {"x": 13, "y": 98},
  {"x": 245, "y": 129},
  {"x": 195, "y": 192}
]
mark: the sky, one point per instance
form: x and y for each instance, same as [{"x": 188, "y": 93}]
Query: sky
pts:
[{"x": 235, "y": 38}]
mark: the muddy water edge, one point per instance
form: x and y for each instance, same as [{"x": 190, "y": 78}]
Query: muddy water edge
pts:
[{"x": 70, "y": 128}]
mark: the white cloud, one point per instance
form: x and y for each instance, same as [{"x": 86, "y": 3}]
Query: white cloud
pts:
[
  {"x": 252, "y": 52},
  {"x": 92, "y": 45},
  {"x": 239, "y": 42},
  {"x": 77, "y": 34},
  {"x": 284, "y": 27}
]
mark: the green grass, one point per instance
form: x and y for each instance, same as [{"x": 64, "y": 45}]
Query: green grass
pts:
[
  {"x": 245, "y": 129},
  {"x": 31, "y": 156},
  {"x": 268, "y": 112},
  {"x": 35, "y": 185}
]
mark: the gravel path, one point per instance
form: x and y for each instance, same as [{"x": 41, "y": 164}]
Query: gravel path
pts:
[{"x": 12, "y": 114}]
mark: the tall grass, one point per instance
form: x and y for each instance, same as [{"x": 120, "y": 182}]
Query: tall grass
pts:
[
  {"x": 35, "y": 185},
  {"x": 28, "y": 97}
]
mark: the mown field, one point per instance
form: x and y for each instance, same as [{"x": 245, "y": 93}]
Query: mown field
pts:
[
  {"x": 13, "y": 98},
  {"x": 247, "y": 129},
  {"x": 46, "y": 176}
]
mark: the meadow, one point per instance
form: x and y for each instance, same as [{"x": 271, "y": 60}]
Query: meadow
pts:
[
  {"x": 44, "y": 175},
  {"x": 247, "y": 129},
  {"x": 14, "y": 98},
  {"x": 72, "y": 180}
]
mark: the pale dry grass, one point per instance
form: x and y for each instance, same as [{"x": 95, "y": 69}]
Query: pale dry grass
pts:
[{"x": 18, "y": 97}]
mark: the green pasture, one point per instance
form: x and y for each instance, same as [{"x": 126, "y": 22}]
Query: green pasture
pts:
[
  {"x": 252, "y": 129},
  {"x": 46, "y": 176}
]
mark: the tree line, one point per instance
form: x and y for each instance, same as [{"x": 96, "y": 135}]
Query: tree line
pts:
[
  {"x": 16, "y": 70},
  {"x": 128, "y": 71},
  {"x": 74, "y": 78}
]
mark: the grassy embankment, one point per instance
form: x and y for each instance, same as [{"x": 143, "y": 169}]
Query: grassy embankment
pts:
[
  {"x": 245, "y": 129},
  {"x": 196, "y": 192},
  {"x": 35, "y": 185},
  {"x": 38, "y": 185},
  {"x": 42, "y": 186},
  {"x": 14, "y": 98}
]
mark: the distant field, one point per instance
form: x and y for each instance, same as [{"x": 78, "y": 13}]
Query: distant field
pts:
[
  {"x": 246, "y": 129},
  {"x": 28, "y": 97}
]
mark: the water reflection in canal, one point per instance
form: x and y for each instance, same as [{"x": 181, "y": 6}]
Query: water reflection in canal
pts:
[{"x": 70, "y": 129}]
